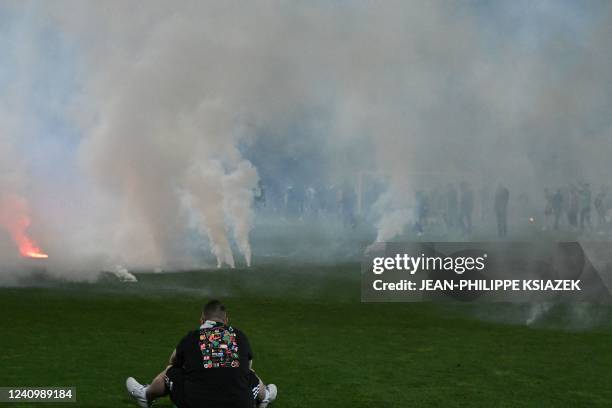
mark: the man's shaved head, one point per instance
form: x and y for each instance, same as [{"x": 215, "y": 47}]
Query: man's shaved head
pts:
[{"x": 214, "y": 310}]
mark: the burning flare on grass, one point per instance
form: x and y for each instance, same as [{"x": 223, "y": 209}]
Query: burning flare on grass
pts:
[
  {"x": 14, "y": 217},
  {"x": 27, "y": 247}
]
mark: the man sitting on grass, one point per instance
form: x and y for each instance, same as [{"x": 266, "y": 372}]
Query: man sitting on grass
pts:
[{"x": 210, "y": 367}]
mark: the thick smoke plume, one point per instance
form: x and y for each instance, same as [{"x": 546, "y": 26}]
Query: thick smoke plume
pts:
[{"x": 166, "y": 98}]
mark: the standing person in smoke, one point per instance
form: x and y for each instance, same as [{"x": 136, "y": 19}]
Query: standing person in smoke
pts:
[
  {"x": 452, "y": 206},
  {"x": 310, "y": 207},
  {"x": 502, "y": 196},
  {"x": 288, "y": 201},
  {"x": 422, "y": 208},
  {"x": 485, "y": 197},
  {"x": 294, "y": 202},
  {"x": 600, "y": 207},
  {"x": 548, "y": 210},
  {"x": 347, "y": 200},
  {"x": 557, "y": 207},
  {"x": 331, "y": 200},
  {"x": 259, "y": 195},
  {"x": 466, "y": 207},
  {"x": 572, "y": 207},
  {"x": 435, "y": 205},
  {"x": 585, "y": 206}
]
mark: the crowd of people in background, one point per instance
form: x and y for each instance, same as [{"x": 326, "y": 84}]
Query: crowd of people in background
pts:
[
  {"x": 300, "y": 203},
  {"x": 577, "y": 203},
  {"x": 453, "y": 208},
  {"x": 568, "y": 207}
]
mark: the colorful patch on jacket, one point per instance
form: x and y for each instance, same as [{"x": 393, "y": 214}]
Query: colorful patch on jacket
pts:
[{"x": 219, "y": 347}]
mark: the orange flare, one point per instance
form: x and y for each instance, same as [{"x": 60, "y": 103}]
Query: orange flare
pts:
[
  {"x": 14, "y": 218},
  {"x": 30, "y": 250}
]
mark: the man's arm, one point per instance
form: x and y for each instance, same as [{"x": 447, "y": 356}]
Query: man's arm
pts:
[
  {"x": 247, "y": 348},
  {"x": 177, "y": 358}
]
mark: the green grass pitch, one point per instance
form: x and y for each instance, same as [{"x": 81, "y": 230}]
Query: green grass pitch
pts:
[{"x": 311, "y": 336}]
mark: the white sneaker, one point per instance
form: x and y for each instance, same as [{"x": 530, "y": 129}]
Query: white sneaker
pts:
[
  {"x": 271, "y": 392},
  {"x": 138, "y": 392}
]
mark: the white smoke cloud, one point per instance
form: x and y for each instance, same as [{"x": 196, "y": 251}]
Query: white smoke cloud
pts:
[
  {"x": 165, "y": 126},
  {"x": 168, "y": 93}
]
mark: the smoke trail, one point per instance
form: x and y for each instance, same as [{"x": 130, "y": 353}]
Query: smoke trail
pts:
[
  {"x": 238, "y": 190},
  {"x": 205, "y": 188}
]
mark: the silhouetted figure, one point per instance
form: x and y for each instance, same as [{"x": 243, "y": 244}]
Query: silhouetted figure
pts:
[
  {"x": 502, "y": 196},
  {"x": 585, "y": 206},
  {"x": 452, "y": 207},
  {"x": 348, "y": 202},
  {"x": 422, "y": 208},
  {"x": 573, "y": 207},
  {"x": 548, "y": 210},
  {"x": 294, "y": 201},
  {"x": 329, "y": 202},
  {"x": 260, "y": 195},
  {"x": 600, "y": 207},
  {"x": 311, "y": 204},
  {"x": 437, "y": 205},
  {"x": 557, "y": 207},
  {"x": 466, "y": 207}
]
